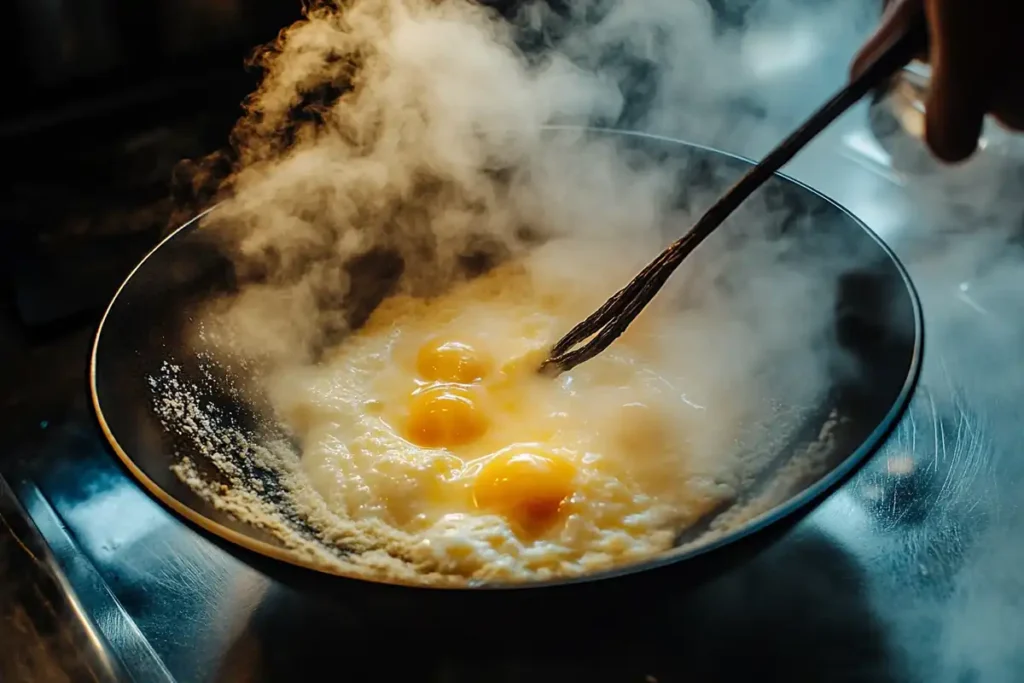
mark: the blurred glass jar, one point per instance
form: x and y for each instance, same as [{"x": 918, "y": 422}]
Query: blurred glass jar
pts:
[
  {"x": 983, "y": 193},
  {"x": 897, "y": 120}
]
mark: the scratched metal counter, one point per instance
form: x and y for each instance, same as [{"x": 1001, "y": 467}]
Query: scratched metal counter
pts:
[{"x": 910, "y": 572}]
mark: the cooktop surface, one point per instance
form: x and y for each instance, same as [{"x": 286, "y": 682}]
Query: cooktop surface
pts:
[{"x": 910, "y": 572}]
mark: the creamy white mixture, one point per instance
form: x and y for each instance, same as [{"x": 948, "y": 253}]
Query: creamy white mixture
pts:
[{"x": 432, "y": 421}]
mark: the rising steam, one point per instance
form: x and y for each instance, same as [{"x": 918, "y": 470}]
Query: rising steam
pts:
[
  {"x": 409, "y": 135},
  {"x": 410, "y": 139},
  {"x": 412, "y": 129}
]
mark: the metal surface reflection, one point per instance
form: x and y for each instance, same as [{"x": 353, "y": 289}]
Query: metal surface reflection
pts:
[{"x": 37, "y": 600}]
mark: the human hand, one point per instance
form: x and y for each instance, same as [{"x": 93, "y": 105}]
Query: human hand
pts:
[{"x": 976, "y": 53}]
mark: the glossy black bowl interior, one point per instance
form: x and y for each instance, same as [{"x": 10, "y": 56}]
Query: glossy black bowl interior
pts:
[{"x": 877, "y": 323}]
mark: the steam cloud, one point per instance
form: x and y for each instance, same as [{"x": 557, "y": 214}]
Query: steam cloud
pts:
[
  {"x": 408, "y": 127},
  {"x": 413, "y": 137},
  {"x": 416, "y": 127},
  {"x": 411, "y": 133}
]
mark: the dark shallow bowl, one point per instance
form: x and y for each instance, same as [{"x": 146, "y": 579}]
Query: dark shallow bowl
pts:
[{"x": 875, "y": 325}]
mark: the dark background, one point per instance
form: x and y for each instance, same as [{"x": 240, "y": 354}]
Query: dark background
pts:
[{"x": 104, "y": 100}]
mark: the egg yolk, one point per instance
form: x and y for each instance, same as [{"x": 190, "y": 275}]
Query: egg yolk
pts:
[
  {"x": 445, "y": 416},
  {"x": 451, "y": 361},
  {"x": 527, "y": 484}
]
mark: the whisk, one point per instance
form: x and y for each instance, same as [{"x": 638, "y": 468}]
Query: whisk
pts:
[{"x": 607, "y": 323}]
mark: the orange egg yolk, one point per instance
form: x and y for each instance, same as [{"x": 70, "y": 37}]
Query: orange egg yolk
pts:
[
  {"x": 451, "y": 361},
  {"x": 443, "y": 416},
  {"x": 527, "y": 484}
]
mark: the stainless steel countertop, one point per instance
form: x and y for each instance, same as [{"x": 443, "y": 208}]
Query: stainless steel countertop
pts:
[{"x": 910, "y": 572}]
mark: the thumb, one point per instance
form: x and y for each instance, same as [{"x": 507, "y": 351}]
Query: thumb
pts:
[
  {"x": 960, "y": 83},
  {"x": 896, "y": 22}
]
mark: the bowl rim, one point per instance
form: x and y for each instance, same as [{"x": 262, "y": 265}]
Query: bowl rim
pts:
[{"x": 817, "y": 491}]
